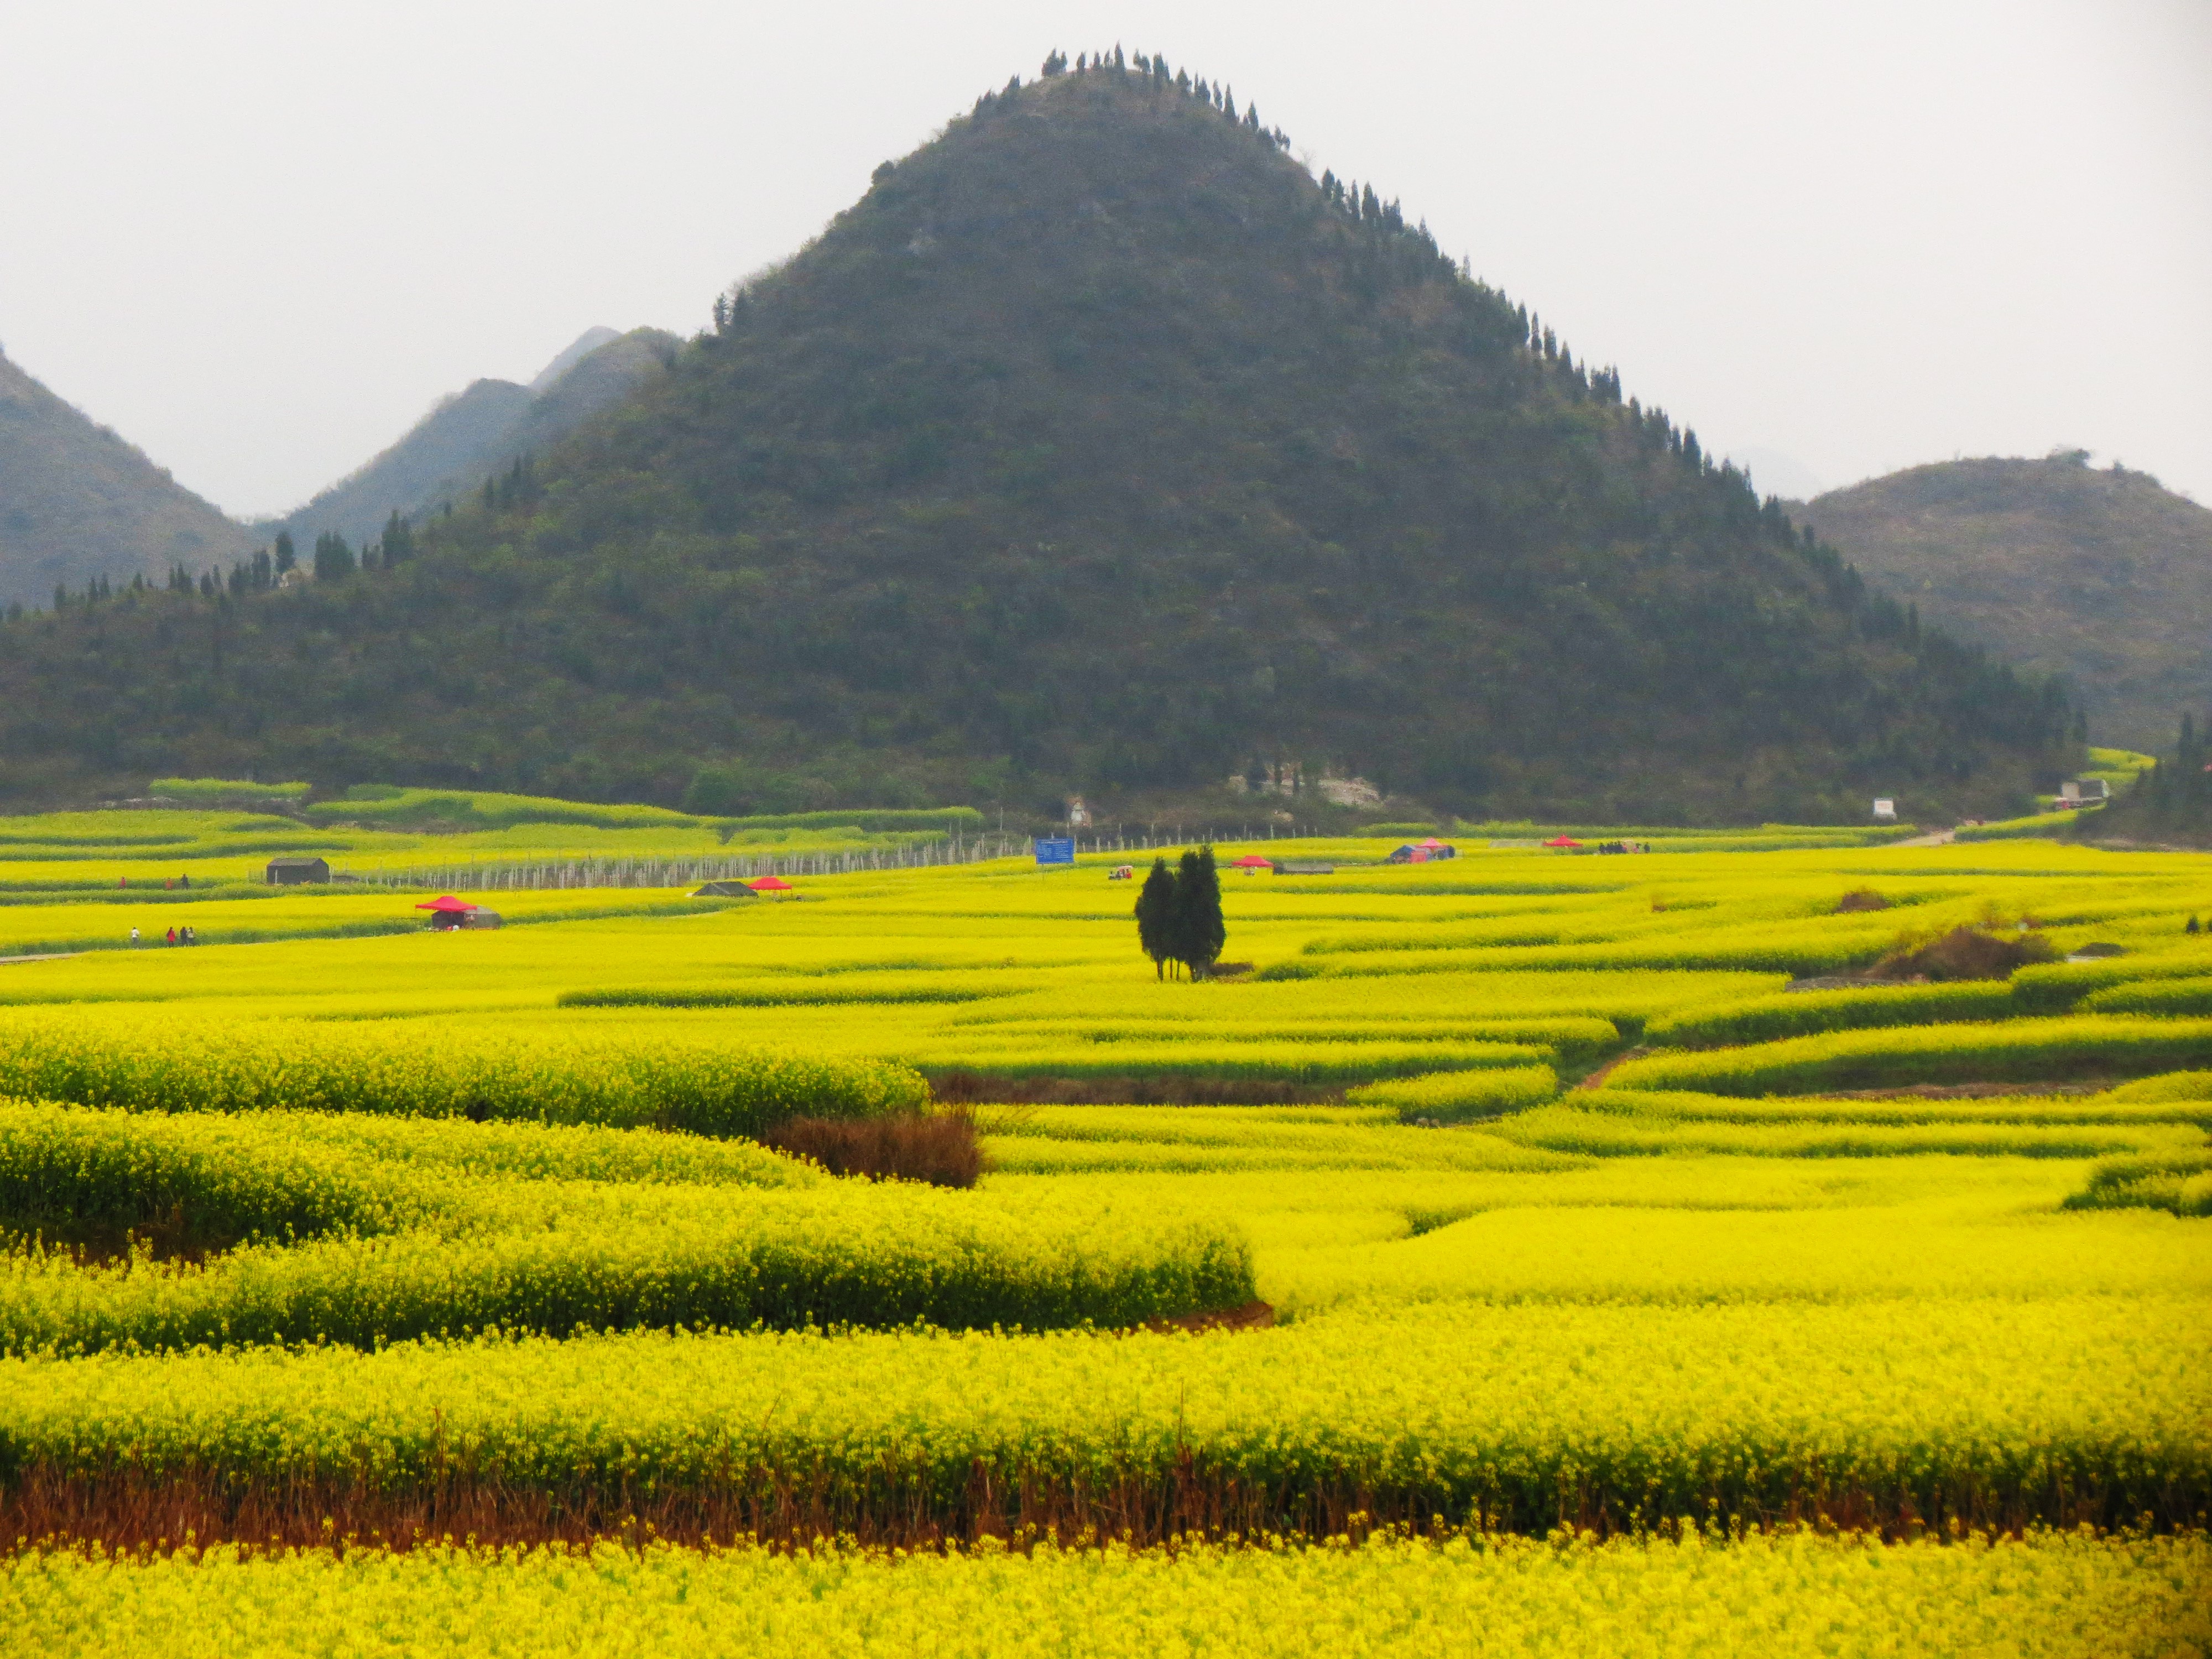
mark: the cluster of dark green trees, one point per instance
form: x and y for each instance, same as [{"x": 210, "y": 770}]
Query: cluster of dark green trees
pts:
[
  {"x": 334, "y": 560},
  {"x": 1179, "y": 920},
  {"x": 2172, "y": 801},
  {"x": 1154, "y": 68}
]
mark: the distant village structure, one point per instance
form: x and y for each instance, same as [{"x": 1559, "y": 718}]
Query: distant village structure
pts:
[{"x": 294, "y": 869}]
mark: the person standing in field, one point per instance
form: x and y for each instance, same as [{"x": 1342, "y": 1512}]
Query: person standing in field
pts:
[
  {"x": 173, "y": 936},
  {"x": 134, "y": 938}
]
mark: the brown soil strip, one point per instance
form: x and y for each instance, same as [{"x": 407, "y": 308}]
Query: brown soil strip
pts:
[
  {"x": 1251, "y": 1316},
  {"x": 47, "y": 1505},
  {"x": 1596, "y": 1080}
]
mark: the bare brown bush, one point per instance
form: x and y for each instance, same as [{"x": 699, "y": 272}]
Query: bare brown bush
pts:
[
  {"x": 938, "y": 1147},
  {"x": 1966, "y": 953},
  {"x": 1861, "y": 898}
]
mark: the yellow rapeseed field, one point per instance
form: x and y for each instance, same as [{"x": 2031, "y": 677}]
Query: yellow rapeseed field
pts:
[{"x": 475, "y": 1250}]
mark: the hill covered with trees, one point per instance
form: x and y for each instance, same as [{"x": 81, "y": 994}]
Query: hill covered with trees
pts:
[
  {"x": 1097, "y": 447},
  {"x": 2096, "y": 573},
  {"x": 80, "y": 505}
]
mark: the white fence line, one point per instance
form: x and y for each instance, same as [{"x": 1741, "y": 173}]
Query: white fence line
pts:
[{"x": 557, "y": 874}]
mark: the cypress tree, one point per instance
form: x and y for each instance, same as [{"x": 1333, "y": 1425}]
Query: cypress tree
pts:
[
  {"x": 398, "y": 544},
  {"x": 1198, "y": 931},
  {"x": 287, "y": 555},
  {"x": 1155, "y": 911}
]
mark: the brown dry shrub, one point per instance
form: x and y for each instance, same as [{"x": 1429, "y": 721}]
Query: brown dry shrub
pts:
[
  {"x": 1861, "y": 898},
  {"x": 1966, "y": 953},
  {"x": 938, "y": 1147}
]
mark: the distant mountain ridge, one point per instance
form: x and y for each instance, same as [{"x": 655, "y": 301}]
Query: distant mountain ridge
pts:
[
  {"x": 2098, "y": 573},
  {"x": 80, "y": 504},
  {"x": 1097, "y": 448},
  {"x": 468, "y": 437}
]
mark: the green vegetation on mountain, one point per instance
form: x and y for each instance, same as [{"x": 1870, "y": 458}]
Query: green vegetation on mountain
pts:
[
  {"x": 448, "y": 455},
  {"x": 80, "y": 506},
  {"x": 1097, "y": 447},
  {"x": 2097, "y": 573}
]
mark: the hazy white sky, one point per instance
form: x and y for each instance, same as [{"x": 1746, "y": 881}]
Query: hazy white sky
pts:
[{"x": 259, "y": 240}]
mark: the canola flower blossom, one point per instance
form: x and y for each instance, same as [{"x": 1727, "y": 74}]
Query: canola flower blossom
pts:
[{"x": 1796, "y": 1595}]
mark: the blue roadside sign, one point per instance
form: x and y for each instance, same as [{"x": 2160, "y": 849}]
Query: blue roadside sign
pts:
[{"x": 1061, "y": 851}]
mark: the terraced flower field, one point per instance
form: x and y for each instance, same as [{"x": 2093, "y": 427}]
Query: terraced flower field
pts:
[{"x": 1566, "y": 1212}]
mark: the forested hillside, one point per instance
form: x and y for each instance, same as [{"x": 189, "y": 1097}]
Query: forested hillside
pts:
[
  {"x": 79, "y": 504},
  {"x": 485, "y": 429},
  {"x": 2094, "y": 573},
  {"x": 1098, "y": 446}
]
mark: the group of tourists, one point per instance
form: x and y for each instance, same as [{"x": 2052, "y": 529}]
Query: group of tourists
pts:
[{"x": 176, "y": 936}]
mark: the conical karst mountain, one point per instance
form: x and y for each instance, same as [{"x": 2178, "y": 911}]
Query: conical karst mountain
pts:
[{"x": 1097, "y": 447}]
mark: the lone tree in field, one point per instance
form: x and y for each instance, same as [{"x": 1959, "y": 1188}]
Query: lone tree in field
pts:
[
  {"x": 1199, "y": 930},
  {"x": 1179, "y": 914},
  {"x": 1155, "y": 914}
]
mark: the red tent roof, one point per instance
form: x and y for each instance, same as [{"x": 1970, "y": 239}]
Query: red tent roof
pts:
[
  {"x": 1254, "y": 861},
  {"x": 770, "y": 885},
  {"x": 1431, "y": 842},
  {"x": 1563, "y": 841},
  {"x": 447, "y": 902}
]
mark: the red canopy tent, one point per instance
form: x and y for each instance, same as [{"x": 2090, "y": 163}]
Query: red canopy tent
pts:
[
  {"x": 1431, "y": 842},
  {"x": 446, "y": 911},
  {"x": 1252, "y": 861},
  {"x": 770, "y": 885},
  {"x": 1563, "y": 841}
]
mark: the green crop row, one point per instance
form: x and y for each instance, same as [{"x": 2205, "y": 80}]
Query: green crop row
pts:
[
  {"x": 2116, "y": 1108},
  {"x": 1984, "y": 1411},
  {"x": 2039, "y": 825},
  {"x": 1803, "y": 1013},
  {"x": 2053, "y": 987},
  {"x": 1565, "y": 1035},
  {"x": 2168, "y": 997},
  {"x": 2180, "y": 1181},
  {"x": 1606, "y": 1126},
  {"x": 1319, "y": 1064},
  {"x": 1801, "y": 950},
  {"x": 2017, "y": 1051},
  {"x": 766, "y": 996},
  {"x": 1460, "y": 1096},
  {"x": 660, "y": 1081},
  {"x": 359, "y": 1248}
]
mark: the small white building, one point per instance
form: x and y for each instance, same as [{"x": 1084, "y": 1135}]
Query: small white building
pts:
[{"x": 1884, "y": 810}]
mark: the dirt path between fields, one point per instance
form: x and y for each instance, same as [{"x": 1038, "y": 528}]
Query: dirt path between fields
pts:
[{"x": 1933, "y": 838}]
